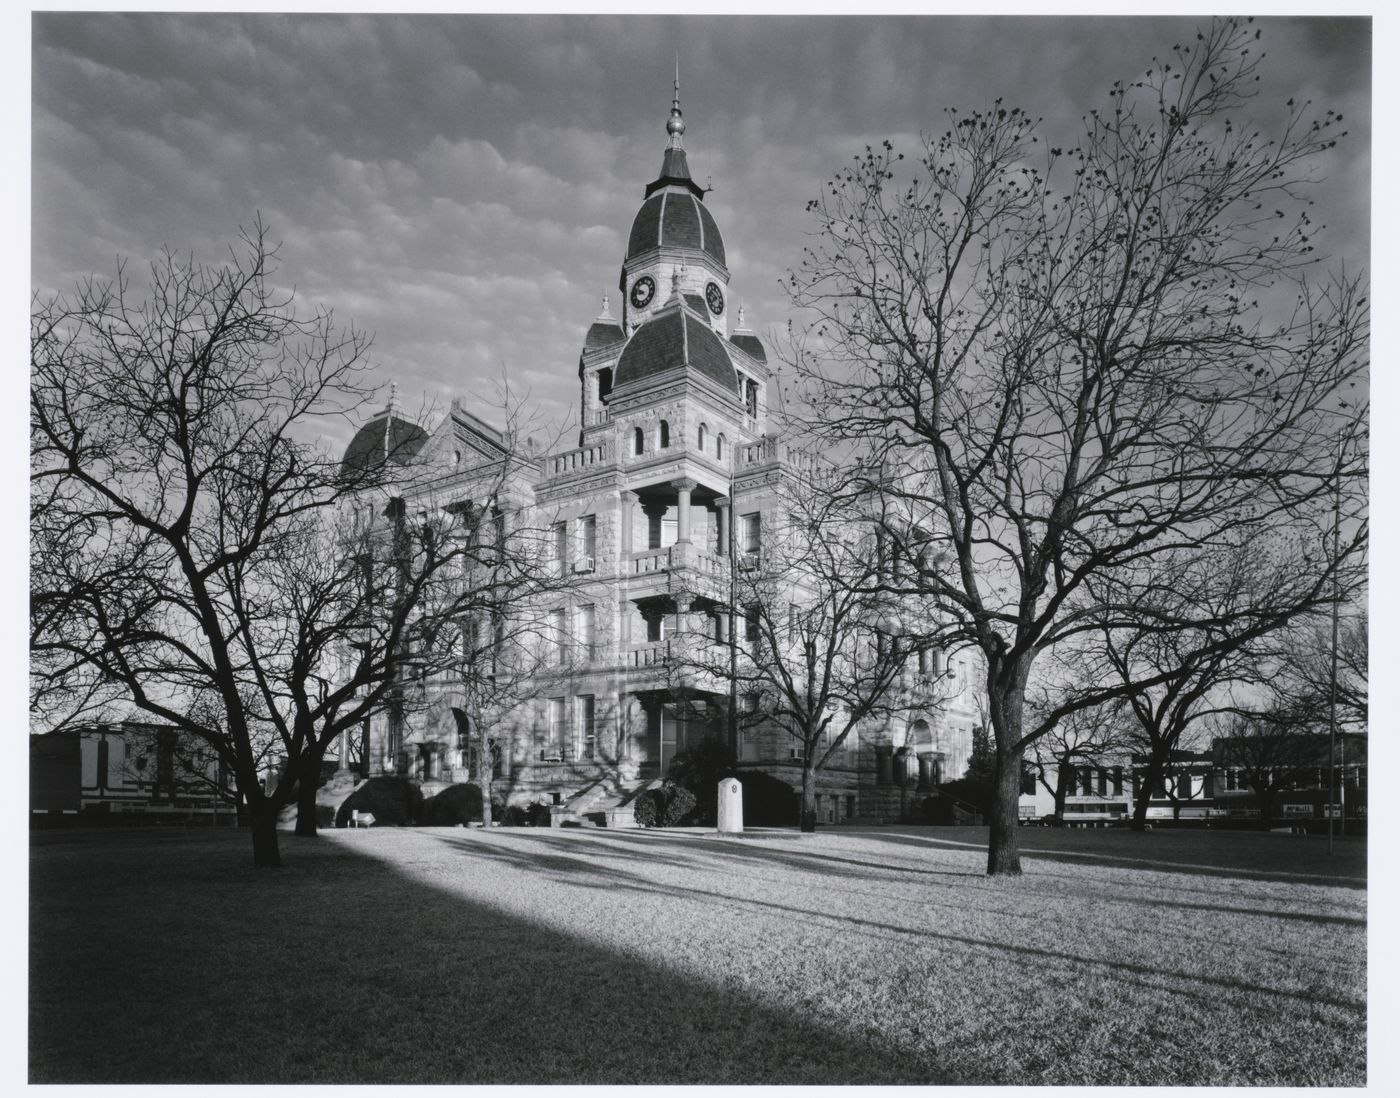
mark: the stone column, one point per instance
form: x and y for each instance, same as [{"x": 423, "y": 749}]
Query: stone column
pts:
[
  {"x": 683, "y": 489},
  {"x": 722, "y": 514},
  {"x": 683, "y": 604},
  {"x": 626, "y": 502}
]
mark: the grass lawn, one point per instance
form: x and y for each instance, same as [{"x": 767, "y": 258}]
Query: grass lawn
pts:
[{"x": 878, "y": 955}]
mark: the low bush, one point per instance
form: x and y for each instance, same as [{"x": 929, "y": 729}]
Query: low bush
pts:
[
  {"x": 768, "y": 801},
  {"x": 649, "y": 807},
  {"x": 392, "y": 801},
  {"x": 680, "y": 807},
  {"x": 971, "y": 792},
  {"x": 510, "y": 815},
  {"x": 537, "y": 815},
  {"x": 457, "y": 804}
]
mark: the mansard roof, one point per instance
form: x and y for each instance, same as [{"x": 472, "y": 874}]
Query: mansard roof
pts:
[{"x": 675, "y": 339}]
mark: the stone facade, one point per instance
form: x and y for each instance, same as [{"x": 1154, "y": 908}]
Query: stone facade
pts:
[{"x": 676, "y": 452}]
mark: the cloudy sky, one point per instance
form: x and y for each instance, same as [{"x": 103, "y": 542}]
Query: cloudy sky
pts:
[{"x": 462, "y": 185}]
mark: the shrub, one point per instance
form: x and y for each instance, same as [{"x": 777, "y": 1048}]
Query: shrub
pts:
[
  {"x": 700, "y": 770},
  {"x": 768, "y": 801},
  {"x": 680, "y": 807},
  {"x": 457, "y": 804},
  {"x": 978, "y": 794},
  {"x": 509, "y": 815},
  {"x": 537, "y": 815},
  {"x": 393, "y": 802},
  {"x": 649, "y": 807}
]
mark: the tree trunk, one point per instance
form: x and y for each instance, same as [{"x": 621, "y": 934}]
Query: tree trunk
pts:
[
  {"x": 1061, "y": 792},
  {"x": 1003, "y": 842},
  {"x": 809, "y": 795},
  {"x": 1266, "y": 809},
  {"x": 487, "y": 767},
  {"x": 306, "y": 793},
  {"x": 1147, "y": 782},
  {"x": 262, "y": 814}
]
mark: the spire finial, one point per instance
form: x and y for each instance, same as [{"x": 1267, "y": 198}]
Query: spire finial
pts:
[
  {"x": 389, "y": 416},
  {"x": 606, "y": 314},
  {"x": 675, "y": 126}
]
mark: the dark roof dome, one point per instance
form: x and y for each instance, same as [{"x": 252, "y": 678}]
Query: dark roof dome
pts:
[
  {"x": 602, "y": 333},
  {"x": 673, "y": 214},
  {"x": 386, "y": 437},
  {"x": 675, "y": 218},
  {"x": 675, "y": 339}
]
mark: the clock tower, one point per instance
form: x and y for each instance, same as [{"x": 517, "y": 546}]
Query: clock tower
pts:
[{"x": 675, "y": 315}]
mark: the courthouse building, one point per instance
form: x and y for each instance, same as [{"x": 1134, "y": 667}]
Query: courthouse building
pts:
[{"x": 677, "y": 464}]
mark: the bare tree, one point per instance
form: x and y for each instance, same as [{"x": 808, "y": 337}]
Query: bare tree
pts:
[
  {"x": 1073, "y": 381},
  {"x": 194, "y": 553},
  {"x": 1083, "y": 737},
  {"x": 1270, "y": 752},
  {"x": 816, "y": 642},
  {"x": 1303, "y": 673}
]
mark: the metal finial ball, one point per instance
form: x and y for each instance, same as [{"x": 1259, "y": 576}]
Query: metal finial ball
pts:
[{"x": 676, "y": 126}]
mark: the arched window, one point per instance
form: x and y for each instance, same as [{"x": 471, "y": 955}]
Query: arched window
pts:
[
  {"x": 663, "y": 434},
  {"x": 701, "y": 437},
  {"x": 638, "y": 441},
  {"x": 719, "y": 446}
]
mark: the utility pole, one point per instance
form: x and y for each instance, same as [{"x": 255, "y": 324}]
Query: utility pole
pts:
[{"x": 1332, "y": 688}]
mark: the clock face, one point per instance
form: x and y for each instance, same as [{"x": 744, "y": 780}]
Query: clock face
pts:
[
  {"x": 642, "y": 291},
  {"x": 714, "y": 298}
]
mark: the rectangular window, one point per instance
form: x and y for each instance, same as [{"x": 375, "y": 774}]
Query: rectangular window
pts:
[
  {"x": 751, "y": 625},
  {"x": 586, "y": 735},
  {"x": 558, "y": 730},
  {"x": 557, "y": 638},
  {"x": 792, "y": 624},
  {"x": 654, "y": 631},
  {"x": 1086, "y": 776},
  {"x": 1117, "y": 781},
  {"x": 560, "y": 534},
  {"x": 585, "y": 633},
  {"x": 751, "y": 398},
  {"x": 1103, "y": 783},
  {"x": 588, "y": 540},
  {"x": 750, "y": 533}
]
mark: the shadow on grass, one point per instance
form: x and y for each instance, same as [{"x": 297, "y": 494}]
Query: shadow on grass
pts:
[
  {"x": 588, "y": 874},
  {"x": 1247, "y": 855},
  {"x": 162, "y": 960}
]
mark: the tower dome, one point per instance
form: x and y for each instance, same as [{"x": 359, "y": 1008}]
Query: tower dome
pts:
[
  {"x": 676, "y": 339},
  {"x": 673, "y": 213}
]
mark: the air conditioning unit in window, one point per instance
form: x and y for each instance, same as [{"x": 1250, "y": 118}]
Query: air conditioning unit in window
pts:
[
  {"x": 584, "y": 565},
  {"x": 748, "y": 562},
  {"x": 795, "y": 753}
]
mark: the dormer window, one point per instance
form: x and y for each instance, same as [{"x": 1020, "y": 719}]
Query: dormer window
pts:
[{"x": 604, "y": 382}]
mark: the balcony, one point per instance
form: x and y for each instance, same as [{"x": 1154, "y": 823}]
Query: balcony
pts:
[{"x": 679, "y": 568}]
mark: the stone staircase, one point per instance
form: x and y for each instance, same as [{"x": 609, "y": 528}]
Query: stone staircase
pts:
[{"x": 606, "y": 802}]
